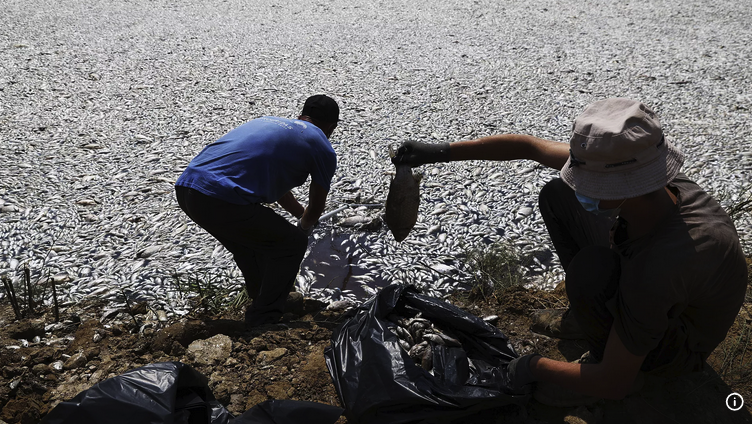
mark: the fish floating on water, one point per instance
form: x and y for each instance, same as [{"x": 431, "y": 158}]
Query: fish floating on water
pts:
[{"x": 402, "y": 201}]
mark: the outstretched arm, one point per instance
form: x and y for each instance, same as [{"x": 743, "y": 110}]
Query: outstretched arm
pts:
[
  {"x": 495, "y": 147},
  {"x": 509, "y": 147}
]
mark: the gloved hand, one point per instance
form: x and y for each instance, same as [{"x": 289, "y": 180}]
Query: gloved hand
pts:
[
  {"x": 308, "y": 231},
  {"x": 520, "y": 376},
  {"x": 414, "y": 153}
]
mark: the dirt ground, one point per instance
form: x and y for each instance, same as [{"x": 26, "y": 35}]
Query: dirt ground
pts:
[{"x": 285, "y": 361}]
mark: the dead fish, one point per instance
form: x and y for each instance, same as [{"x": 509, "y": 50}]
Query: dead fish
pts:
[
  {"x": 416, "y": 352},
  {"x": 422, "y": 354},
  {"x": 402, "y": 201},
  {"x": 149, "y": 251},
  {"x": 405, "y": 335},
  {"x": 340, "y": 305},
  {"x": 427, "y": 361},
  {"x": 354, "y": 220},
  {"x": 405, "y": 345},
  {"x": 442, "y": 339}
]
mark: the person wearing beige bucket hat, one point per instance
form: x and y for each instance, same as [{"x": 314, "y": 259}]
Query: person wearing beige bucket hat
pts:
[
  {"x": 618, "y": 151},
  {"x": 655, "y": 273}
]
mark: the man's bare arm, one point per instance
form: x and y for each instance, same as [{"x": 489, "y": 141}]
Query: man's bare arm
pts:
[
  {"x": 291, "y": 204},
  {"x": 316, "y": 204},
  {"x": 511, "y": 146},
  {"x": 614, "y": 378}
]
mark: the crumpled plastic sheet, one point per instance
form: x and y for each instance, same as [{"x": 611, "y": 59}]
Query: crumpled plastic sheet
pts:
[
  {"x": 290, "y": 412},
  {"x": 379, "y": 383},
  {"x": 175, "y": 393}
]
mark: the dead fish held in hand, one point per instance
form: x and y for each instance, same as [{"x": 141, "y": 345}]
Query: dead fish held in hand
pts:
[{"x": 403, "y": 201}]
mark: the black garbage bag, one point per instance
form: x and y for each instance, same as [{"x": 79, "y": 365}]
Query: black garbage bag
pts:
[
  {"x": 164, "y": 392},
  {"x": 379, "y": 383},
  {"x": 290, "y": 412},
  {"x": 175, "y": 393}
]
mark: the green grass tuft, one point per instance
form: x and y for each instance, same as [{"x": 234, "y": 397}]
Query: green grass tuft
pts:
[
  {"x": 495, "y": 269},
  {"x": 210, "y": 293}
]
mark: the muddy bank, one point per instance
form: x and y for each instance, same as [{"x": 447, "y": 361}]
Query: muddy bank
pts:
[{"x": 46, "y": 362}]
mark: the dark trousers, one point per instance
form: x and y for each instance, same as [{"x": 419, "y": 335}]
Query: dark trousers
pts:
[
  {"x": 265, "y": 246},
  {"x": 581, "y": 240}
]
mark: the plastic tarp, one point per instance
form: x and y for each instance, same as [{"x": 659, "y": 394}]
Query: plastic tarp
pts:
[
  {"x": 175, "y": 393},
  {"x": 379, "y": 383}
]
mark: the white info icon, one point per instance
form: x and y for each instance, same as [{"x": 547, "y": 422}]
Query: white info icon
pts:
[{"x": 734, "y": 401}]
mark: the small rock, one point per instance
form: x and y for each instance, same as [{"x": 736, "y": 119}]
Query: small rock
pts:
[
  {"x": 269, "y": 356},
  {"x": 40, "y": 368},
  {"x": 96, "y": 377},
  {"x": 257, "y": 343},
  {"x": 215, "y": 349},
  {"x": 76, "y": 361}
]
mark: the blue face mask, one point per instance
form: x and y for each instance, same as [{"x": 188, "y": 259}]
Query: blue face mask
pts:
[{"x": 591, "y": 205}]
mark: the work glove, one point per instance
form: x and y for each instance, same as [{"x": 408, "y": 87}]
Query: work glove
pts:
[
  {"x": 520, "y": 376},
  {"x": 414, "y": 153}
]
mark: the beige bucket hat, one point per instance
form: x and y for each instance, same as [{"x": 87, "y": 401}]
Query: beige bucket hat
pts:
[{"x": 618, "y": 151}]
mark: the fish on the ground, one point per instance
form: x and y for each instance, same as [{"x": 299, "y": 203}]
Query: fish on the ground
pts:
[
  {"x": 352, "y": 221},
  {"x": 402, "y": 201}
]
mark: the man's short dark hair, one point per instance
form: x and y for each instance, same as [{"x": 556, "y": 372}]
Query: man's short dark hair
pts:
[{"x": 321, "y": 108}]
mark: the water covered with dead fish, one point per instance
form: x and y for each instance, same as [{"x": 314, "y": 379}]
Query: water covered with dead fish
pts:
[{"x": 98, "y": 118}]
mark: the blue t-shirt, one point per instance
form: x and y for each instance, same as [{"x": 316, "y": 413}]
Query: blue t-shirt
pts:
[{"x": 261, "y": 160}]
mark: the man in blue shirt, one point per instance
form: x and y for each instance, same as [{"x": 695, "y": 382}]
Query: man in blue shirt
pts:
[{"x": 225, "y": 187}]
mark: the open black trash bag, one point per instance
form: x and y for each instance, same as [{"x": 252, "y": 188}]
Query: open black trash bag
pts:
[
  {"x": 379, "y": 383},
  {"x": 175, "y": 393}
]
